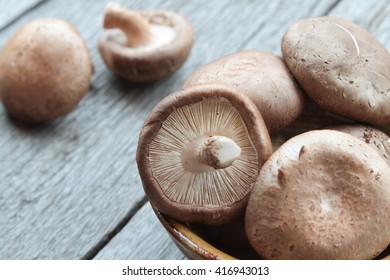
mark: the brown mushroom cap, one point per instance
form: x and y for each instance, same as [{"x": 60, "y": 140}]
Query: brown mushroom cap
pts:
[
  {"x": 264, "y": 77},
  {"x": 177, "y": 179},
  {"x": 151, "y": 60},
  {"x": 377, "y": 139},
  {"x": 45, "y": 70},
  {"x": 341, "y": 66},
  {"x": 322, "y": 195}
]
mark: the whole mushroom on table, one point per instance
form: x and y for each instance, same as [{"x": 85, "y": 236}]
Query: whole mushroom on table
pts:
[
  {"x": 144, "y": 46},
  {"x": 45, "y": 70}
]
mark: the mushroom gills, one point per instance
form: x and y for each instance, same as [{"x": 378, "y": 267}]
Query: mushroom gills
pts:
[{"x": 194, "y": 168}]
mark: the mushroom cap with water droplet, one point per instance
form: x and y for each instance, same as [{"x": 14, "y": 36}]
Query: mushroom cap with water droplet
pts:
[
  {"x": 343, "y": 67},
  {"x": 178, "y": 178}
]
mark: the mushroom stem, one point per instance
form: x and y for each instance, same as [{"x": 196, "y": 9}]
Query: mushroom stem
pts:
[
  {"x": 133, "y": 24},
  {"x": 217, "y": 151}
]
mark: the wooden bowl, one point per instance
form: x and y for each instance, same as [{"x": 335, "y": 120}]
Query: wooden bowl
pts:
[
  {"x": 195, "y": 242},
  {"x": 189, "y": 242}
]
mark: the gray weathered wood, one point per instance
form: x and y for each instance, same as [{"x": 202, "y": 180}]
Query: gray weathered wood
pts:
[
  {"x": 68, "y": 186},
  {"x": 11, "y": 10},
  {"x": 371, "y": 15},
  {"x": 142, "y": 239}
]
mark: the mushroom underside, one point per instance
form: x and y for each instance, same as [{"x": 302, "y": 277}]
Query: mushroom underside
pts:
[
  {"x": 165, "y": 48},
  {"x": 178, "y": 165}
]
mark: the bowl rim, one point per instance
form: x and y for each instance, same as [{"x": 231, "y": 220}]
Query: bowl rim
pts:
[{"x": 181, "y": 233}]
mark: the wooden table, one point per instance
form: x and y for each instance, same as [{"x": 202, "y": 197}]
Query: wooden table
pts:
[{"x": 70, "y": 189}]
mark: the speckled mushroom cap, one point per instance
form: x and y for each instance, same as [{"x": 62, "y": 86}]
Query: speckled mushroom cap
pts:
[
  {"x": 45, "y": 70},
  {"x": 171, "y": 39},
  {"x": 323, "y": 194},
  {"x": 341, "y": 66},
  {"x": 377, "y": 139},
  {"x": 264, "y": 77},
  {"x": 178, "y": 165}
]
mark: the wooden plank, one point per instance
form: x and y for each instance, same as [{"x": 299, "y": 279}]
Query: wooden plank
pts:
[
  {"x": 222, "y": 35},
  {"x": 67, "y": 185},
  {"x": 11, "y": 10},
  {"x": 144, "y": 240},
  {"x": 371, "y": 15},
  {"x": 246, "y": 24}
]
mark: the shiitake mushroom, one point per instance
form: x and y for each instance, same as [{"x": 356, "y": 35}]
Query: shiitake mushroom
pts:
[
  {"x": 199, "y": 153},
  {"x": 261, "y": 75},
  {"x": 45, "y": 70},
  {"x": 343, "y": 67},
  {"x": 144, "y": 46},
  {"x": 323, "y": 194}
]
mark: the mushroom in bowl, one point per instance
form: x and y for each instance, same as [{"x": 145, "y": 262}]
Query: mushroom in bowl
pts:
[
  {"x": 344, "y": 68},
  {"x": 199, "y": 153},
  {"x": 264, "y": 77},
  {"x": 374, "y": 137},
  {"x": 323, "y": 194}
]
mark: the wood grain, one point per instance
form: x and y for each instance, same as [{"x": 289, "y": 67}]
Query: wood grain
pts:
[
  {"x": 12, "y": 10},
  {"x": 371, "y": 15},
  {"x": 141, "y": 239},
  {"x": 68, "y": 187},
  {"x": 65, "y": 186}
]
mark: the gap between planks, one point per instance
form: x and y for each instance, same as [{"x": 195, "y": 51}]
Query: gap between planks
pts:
[
  {"x": 25, "y": 10},
  {"x": 332, "y": 7},
  {"x": 121, "y": 224}
]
